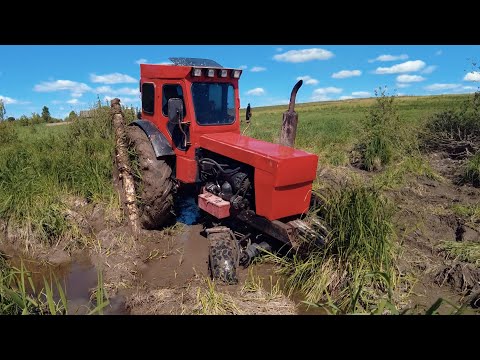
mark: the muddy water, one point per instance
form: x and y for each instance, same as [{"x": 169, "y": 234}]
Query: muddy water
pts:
[
  {"x": 78, "y": 279},
  {"x": 188, "y": 258}
]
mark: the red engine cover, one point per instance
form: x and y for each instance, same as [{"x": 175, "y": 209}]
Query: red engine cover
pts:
[{"x": 283, "y": 175}]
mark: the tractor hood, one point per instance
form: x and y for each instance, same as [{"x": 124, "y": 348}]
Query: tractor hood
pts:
[
  {"x": 287, "y": 166},
  {"x": 283, "y": 175}
]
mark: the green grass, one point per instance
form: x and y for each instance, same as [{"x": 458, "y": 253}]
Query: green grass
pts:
[
  {"x": 471, "y": 173},
  {"x": 330, "y": 129},
  {"x": 356, "y": 267},
  {"x": 470, "y": 212},
  {"x": 47, "y": 164},
  {"x": 212, "y": 302},
  {"x": 464, "y": 251}
]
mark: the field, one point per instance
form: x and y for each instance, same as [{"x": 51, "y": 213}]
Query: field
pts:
[{"x": 405, "y": 234}]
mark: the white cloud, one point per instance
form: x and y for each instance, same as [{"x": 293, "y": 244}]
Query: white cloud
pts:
[
  {"x": 257, "y": 69},
  {"x": 361, "y": 93},
  {"x": 346, "y": 97},
  {"x": 304, "y": 55},
  {"x": 256, "y": 92},
  {"x": 389, "y": 58},
  {"x": 243, "y": 67},
  {"x": 127, "y": 91},
  {"x": 472, "y": 76},
  {"x": 72, "y": 102},
  {"x": 56, "y": 102},
  {"x": 308, "y": 80},
  {"x": 403, "y": 85},
  {"x": 407, "y": 66},
  {"x": 439, "y": 87},
  {"x": 8, "y": 100},
  {"x": 141, "y": 61},
  {"x": 343, "y": 74},
  {"x": 321, "y": 94},
  {"x": 438, "y": 52},
  {"x": 409, "y": 78},
  {"x": 429, "y": 69},
  {"x": 103, "y": 90},
  {"x": 164, "y": 63},
  {"x": 277, "y": 50},
  {"x": 76, "y": 88},
  {"x": 114, "y": 78}
]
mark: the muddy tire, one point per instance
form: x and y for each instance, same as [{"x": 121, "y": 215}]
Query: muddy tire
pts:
[
  {"x": 155, "y": 185},
  {"x": 224, "y": 255}
]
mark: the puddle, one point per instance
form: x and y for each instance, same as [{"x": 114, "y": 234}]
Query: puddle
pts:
[
  {"x": 77, "y": 278},
  {"x": 187, "y": 257}
]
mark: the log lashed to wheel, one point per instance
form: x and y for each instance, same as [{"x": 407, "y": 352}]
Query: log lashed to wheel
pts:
[
  {"x": 123, "y": 164},
  {"x": 154, "y": 188}
]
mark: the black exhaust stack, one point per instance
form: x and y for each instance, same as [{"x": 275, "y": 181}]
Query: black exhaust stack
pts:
[{"x": 290, "y": 120}]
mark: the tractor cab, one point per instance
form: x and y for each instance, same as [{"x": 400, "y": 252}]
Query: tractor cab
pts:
[{"x": 208, "y": 93}]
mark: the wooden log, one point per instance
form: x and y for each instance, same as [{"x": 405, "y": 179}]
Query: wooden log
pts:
[{"x": 125, "y": 172}]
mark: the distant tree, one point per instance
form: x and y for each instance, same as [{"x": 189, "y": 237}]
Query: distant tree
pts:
[
  {"x": 72, "y": 116},
  {"x": 10, "y": 118},
  {"x": 46, "y": 117},
  {"x": 2, "y": 110}
]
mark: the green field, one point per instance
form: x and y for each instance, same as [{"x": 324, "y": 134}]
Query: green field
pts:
[{"x": 329, "y": 129}]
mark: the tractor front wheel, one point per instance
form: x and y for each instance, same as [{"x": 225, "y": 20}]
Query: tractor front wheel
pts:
[{"x": 153, "y": 182}]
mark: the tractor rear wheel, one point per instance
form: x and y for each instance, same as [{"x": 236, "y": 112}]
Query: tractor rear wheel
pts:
[{"x": 153, "y": 182}]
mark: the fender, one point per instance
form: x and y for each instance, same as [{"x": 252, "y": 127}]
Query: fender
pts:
[{"x": 157, "y": 139}]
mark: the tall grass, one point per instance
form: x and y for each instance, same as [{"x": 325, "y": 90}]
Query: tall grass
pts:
[
  {"x": 44, "y": 166},
  {"x": 384, "y": 134},
  {"x": 471, "y": 173},
  {"x": 356, "y": 268},
  {"x": 19, "y": 296}
]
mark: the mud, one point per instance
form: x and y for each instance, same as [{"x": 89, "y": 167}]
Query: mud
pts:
[{"x": 165, "y": 272}]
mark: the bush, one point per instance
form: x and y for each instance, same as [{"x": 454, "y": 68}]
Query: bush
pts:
[
  {"x": 382, "y": 137},
  {"x": 8, "y": 133},
  {"x": 460, "y": 124}
]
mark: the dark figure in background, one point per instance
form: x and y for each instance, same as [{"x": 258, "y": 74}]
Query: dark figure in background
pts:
[{"x": 248, "y": 113}]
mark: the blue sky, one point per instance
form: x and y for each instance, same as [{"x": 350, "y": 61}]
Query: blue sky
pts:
[{"x": 66, "y": 78}]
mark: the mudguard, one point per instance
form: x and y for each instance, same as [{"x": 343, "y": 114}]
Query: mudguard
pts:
[{"x": 157, "y": 139}]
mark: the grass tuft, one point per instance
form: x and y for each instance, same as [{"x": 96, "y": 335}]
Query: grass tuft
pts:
[
  {"x": 471, "y": 173},
  {"x": 464, "y": 251},
  {"x": 356, "y": 268}
]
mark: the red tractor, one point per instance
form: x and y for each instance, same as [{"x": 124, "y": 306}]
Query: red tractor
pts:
[{"x": 188, "y": 132}]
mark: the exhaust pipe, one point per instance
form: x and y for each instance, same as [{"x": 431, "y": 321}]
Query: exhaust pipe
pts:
[{"x": 290, "y": 120}]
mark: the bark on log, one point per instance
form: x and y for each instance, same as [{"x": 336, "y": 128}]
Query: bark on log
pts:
[{"x": 123, "y": 163}]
